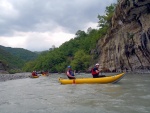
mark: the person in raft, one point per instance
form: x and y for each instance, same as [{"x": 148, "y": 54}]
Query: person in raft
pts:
[
  {"x": 34, "y": 73},
  {"x": 95, "y": 71},
  {"x": 70, "y": 73}
]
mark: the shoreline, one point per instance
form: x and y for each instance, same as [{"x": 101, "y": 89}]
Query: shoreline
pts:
[{"x": 5, "y": 77}]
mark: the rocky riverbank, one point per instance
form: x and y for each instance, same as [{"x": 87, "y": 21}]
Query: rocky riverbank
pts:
[{"x": 4, "y": 77}]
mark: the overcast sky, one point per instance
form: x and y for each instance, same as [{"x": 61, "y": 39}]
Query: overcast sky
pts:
[{"x": 36, "y": 25}]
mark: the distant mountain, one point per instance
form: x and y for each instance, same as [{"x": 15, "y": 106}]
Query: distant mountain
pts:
[
  {"x": 9, "y": 60},
  {"x": 21, "y": 53}
]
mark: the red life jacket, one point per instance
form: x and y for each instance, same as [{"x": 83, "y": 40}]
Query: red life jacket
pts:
[
  {"x": 93, "y": 72},
  {"x": 33, "y": 74}
]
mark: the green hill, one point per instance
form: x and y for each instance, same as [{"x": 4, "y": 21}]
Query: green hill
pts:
[
  {"x": 15, "y": 58},
  {"x": 75, "y": 52},
  {"x": 9, "y": 60},
  {"x": 21, "y": 53}
]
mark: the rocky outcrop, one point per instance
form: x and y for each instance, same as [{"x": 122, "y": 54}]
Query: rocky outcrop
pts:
[{"x": 126, "y": 47}]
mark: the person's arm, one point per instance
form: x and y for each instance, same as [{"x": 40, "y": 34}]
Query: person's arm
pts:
[{"x": 97, "y": 71}]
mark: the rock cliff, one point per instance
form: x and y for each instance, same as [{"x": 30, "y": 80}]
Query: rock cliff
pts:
[{"x": 126, "y": 47}]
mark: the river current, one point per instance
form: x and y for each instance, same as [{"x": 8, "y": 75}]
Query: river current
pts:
[{"x": 47, "y": 95}]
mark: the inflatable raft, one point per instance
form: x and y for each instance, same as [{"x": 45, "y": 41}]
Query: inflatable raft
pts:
[
  {"x": 102, "y": 80},
  {"x": 35, "y": 76}
]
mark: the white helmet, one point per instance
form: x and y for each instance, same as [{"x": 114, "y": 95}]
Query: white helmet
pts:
[{"x": 97, "y": 64}]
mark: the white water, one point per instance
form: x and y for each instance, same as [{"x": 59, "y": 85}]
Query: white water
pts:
[{"x": 46, "y": 95}]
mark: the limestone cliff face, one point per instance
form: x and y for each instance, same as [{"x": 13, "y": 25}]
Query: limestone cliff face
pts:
[{"x": 126, "y": 47}]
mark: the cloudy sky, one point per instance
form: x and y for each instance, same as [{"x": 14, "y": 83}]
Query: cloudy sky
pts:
[{"x": 36, "y": 25}]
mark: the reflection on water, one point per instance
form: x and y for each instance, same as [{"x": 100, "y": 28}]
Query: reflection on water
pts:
[{"x": 46, "y": 95}]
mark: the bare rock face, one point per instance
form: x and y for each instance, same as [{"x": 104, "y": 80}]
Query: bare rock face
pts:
[{"x": 126, "y": 47}]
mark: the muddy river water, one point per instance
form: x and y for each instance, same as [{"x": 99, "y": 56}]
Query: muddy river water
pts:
[{"x": 47, "y": 95}]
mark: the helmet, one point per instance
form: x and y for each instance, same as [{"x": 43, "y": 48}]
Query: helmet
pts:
[
  {"x": 97, "y": 64},
  {"x": 69, "y": 66}
]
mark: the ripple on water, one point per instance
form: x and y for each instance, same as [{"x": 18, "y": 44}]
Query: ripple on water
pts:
[{"x": 146, "y": 97}]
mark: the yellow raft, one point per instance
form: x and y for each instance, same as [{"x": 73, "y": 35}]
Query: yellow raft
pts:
[
  {"x": 44, "y": 74},
  {"x": 102, "y": 80},
  {"x": 35, "y": 76}
]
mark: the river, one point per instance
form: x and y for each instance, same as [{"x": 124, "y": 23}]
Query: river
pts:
[{"x": 47, "y": 95}]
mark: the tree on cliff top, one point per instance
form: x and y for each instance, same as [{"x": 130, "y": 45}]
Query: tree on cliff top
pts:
[{"x": 105, "y": 20}]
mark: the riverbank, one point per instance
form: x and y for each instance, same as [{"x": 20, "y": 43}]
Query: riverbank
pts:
[{"x": 4, "y": 77}]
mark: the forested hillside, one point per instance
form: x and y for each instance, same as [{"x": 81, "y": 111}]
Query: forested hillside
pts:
[
  {"x": 9, "y": 60},
  {"x": 21, "y": 53},
  {"x": 15, "y": 58},
  {"x": 78, "y": 52}
]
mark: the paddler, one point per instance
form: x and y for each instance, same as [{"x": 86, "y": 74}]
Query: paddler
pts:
[{"x": 70, "y": 73}]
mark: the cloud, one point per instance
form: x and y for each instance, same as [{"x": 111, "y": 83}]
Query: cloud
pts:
[
  {"x": 42, "y": 19},
  {"x": 36, "y": 41}
]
